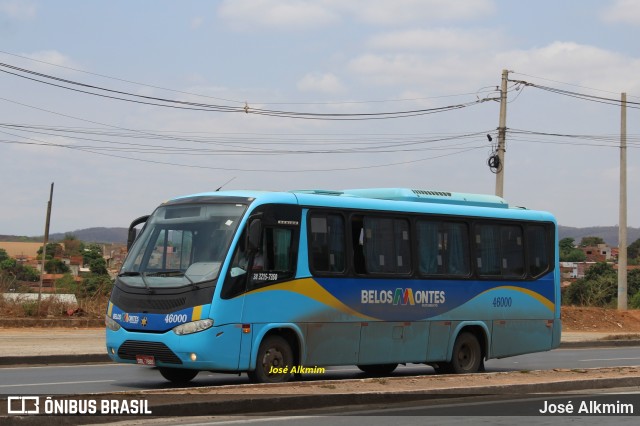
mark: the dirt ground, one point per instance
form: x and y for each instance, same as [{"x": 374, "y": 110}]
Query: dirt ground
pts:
[{"x": 600, "y": 320}]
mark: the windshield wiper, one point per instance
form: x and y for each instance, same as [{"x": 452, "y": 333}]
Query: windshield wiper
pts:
[
  {"x": 166, "y": 273},
  {"x": 172, "y": 273},
  {"x": 137, "y": 274}
]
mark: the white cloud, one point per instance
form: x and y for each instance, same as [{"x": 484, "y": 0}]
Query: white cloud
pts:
[
  {"x": 280, "y": 14},
  {"x": 317, "y": 82},
  {"x": 435, "y": 39},
  {"x": 196, "y": 22},
  {"x": 301, "y": 14},
  {"x": 397, "y": 12},
  {"x": 46, "y": 61},
  {"x": 623, "y": 11},
  {"x": 577, "y": 63},
  {"x": 563, "y": 61},
  {"x": 21, "y": 10}
]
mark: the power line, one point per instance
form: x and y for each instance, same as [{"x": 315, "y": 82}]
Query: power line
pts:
[
  {"x": 393, "y": 146},
  {"x": 237, "y": 101},
  {"x": 571, "y": 84},
  {"x": 606, "y": 141},
  {"x": 171, "y": 103},
  {"x": 307, "y": 170},
  {"x": 583, "y": 96}
]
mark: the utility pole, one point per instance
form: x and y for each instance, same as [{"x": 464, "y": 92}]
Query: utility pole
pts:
[
  {"x": 44, "y": 246},
  {"x": 622, "y": 227},
  {"x": 502, "y": 134}
]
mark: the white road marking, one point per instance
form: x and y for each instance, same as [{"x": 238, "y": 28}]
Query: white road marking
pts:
[
  {"x": 55, "y": 383},
  {"x": 610, "y": 359}
]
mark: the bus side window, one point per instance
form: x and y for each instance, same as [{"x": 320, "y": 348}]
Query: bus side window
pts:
[
  {"x": 512, "y": 252},
  {"x": 275, "y": 260},
  {"x": 327, "y": 242},
  {"x": 537, "y": 250},
  {"x": 488, "y": 250},
  {"x": 357, "y": 242},
  {"x": 235, "y": 282},
  {"x": 443, "y": 248},
  {"x": 386, "y": 245}
]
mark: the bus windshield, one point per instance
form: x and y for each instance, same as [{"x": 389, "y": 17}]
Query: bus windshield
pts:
[{"x": 182, "y": 245}]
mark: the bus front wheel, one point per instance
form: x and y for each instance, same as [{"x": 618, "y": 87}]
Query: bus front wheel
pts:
[
  {"x": 274, "y": 361},
  {"x": 178, "y": 375},
  {"x": 467, "y": 354},
  {"x": 378, "y": 369}
]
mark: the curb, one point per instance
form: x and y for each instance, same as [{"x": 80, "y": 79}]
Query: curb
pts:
[
  {"x": 6, "y": 361},
  {"x": 69, "y": 323},
  {"x": 600, "y": 344},
  {"x": 104, "y": 358}
]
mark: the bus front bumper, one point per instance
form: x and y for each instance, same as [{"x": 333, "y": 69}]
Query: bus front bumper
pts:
[{"x": 213, "y": 349}]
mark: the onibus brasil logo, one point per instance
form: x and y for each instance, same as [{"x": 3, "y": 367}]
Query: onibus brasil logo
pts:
[{"x": 403, "y": 296}]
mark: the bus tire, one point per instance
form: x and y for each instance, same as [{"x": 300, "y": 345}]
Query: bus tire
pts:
[
  {"x": 274, "y": 352},
  {"x": 467, "y": 354},
  {"x": 378, "y": 369},
  {"x": 178, "y": 375}
]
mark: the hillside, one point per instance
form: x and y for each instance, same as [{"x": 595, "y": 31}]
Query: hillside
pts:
[
  {"x": 119, "y": 235},
  {"x": 96, "y": 235},
  {"x": 608, "y": 233},
  {"x": 88, "y": 235}
]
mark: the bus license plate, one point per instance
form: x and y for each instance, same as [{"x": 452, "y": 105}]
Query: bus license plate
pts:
[{"x": 145, "y": 360}]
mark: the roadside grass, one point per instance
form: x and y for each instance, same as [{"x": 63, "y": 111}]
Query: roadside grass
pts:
[{"x": 51, "y": 306}]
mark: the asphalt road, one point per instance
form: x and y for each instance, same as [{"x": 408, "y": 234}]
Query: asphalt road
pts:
[{"x": 82, "y": 379}]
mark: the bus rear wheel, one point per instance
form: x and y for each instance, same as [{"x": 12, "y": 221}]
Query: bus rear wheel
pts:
[
  {"x": 178, "y": 375},
  {"x": 378, "y": 369},
  {"x": 274, "y": 362},
  {"x": 467, "y": 354}
]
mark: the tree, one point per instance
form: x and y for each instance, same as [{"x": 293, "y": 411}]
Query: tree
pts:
[
  {"x": 3, "y": 255},
  {"x": 94, "y": 285},
  {"x": 67, "y": 284},
  {"x": 72, "y": 245},
  {"x": 98, "y": 266},
  {"x": 591, "y": 241},
  {"x": 27, "y": 273},
  {"x": 633, "y": 251},
  {"x": 53, "y": 250},
  {"x": 20, "y": 272},
  {"x": 55, "y": 266},
  {"x": 91, "y": 252},
  {"x": 569, "y": 253},
  {"x": 599, "y": 287},
  {"x": 566, "y": 244},
  {"x": 600, "y": 269}
]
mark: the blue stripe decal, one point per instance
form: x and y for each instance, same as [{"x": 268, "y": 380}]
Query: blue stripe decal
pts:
[{"x": 157, "y": 322}]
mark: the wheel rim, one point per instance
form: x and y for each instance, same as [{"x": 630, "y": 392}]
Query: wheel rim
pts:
[
  {"x": 466, "y": 357},
  {"x": 272, "y": 358}
]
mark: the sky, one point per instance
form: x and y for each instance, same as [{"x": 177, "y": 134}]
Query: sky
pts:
[{"x": 124, "y": 105}]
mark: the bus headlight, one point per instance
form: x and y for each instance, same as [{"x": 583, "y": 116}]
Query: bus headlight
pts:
[
  {"x": 111, "y": 324},
  {"x": 193, "y": 327}
]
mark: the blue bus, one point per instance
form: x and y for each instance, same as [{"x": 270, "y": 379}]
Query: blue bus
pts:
[{"x": 276, "y": 284}]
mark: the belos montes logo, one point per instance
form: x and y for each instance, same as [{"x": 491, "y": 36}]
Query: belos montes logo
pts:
[{"x": 403, "y": 296}]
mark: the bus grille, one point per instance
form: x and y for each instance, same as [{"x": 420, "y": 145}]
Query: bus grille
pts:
[
  {"x": 159, "y": 351},
  {"x": 157, "y": 303}
]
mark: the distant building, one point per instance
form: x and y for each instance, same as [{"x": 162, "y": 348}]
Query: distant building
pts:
[{"x": 599, "y": 253}]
